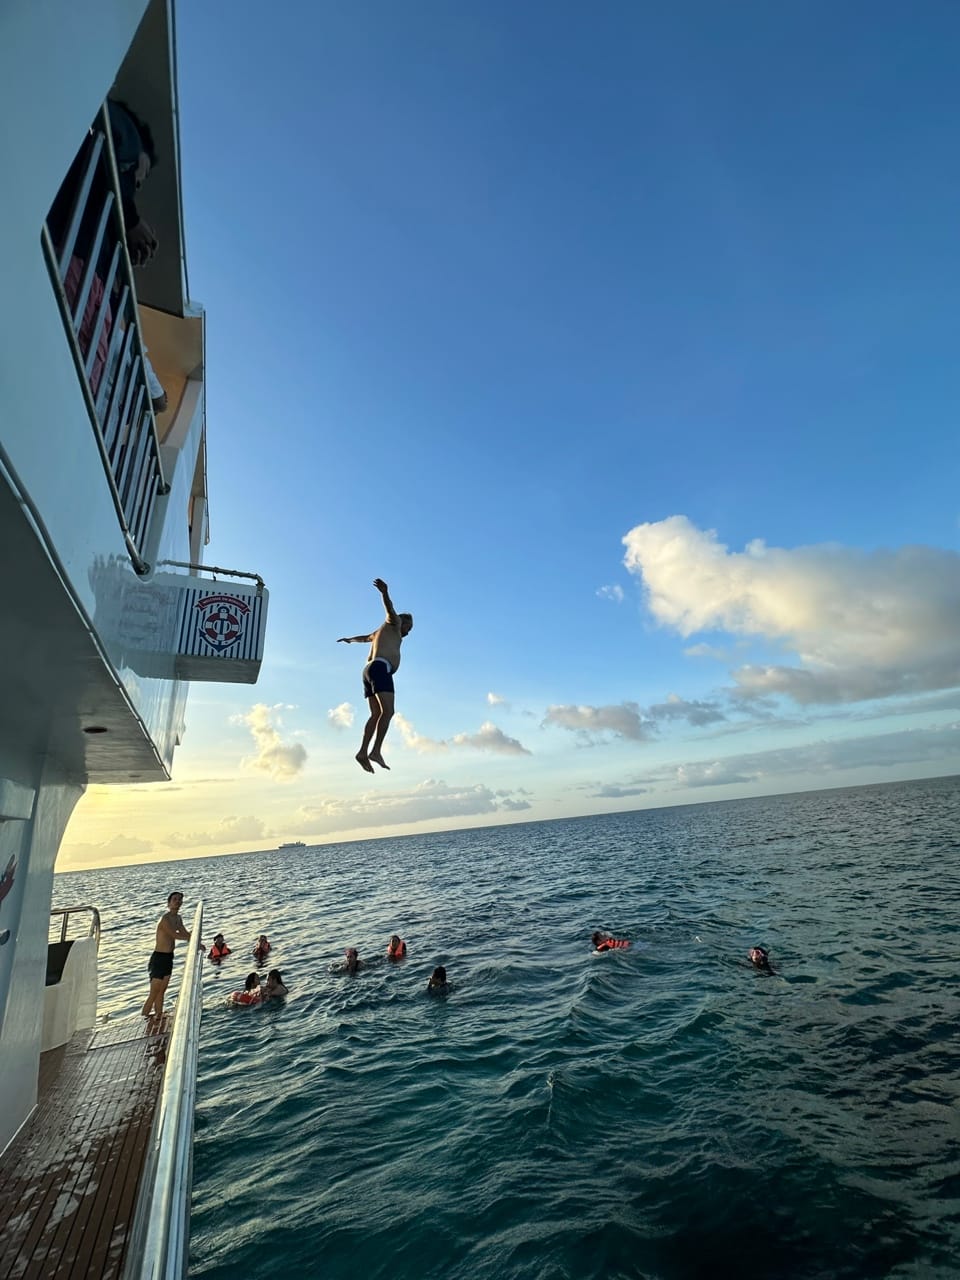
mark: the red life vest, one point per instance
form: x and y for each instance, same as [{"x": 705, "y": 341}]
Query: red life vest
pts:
[
  {"x": 400, "y": 951},
  {"x": 217, "y": 952},
  {"x": 246, "y": 997},
  {"x": 608, "y": 944}
]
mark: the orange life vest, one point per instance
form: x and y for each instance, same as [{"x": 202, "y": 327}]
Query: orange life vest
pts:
[
  {"x": 395, "y": 954},
  {"x": 246, "y": 997},
  {"x": 609, "y": 944},
  {"x": 217, "y": 952}
]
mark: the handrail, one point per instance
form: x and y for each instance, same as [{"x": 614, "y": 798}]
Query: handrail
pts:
[
  {"x": 67, "y": 912},
  {"x": 159, "y": 1243},
  {"x": 212, "y": 568},
  {"x": 92, "y": 276},
  {"x": 115, "y": 178}
]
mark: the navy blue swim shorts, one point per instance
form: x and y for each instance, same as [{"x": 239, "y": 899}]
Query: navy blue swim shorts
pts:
[{"x": 377, "y": 678}]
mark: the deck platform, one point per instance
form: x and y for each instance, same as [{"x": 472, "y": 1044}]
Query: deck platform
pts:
[{"x": 68, "y": 1182}]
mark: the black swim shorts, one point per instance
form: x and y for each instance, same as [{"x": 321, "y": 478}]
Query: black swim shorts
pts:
[
  {"x": 161, "y": 964},
  {"x": 377, "y": 678}
]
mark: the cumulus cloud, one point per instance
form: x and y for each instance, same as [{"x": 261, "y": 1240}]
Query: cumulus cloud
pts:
[
  {"x": 611, "y": 593},
  {"x": 594, "y": 723},
  {"x": 487, "y": 738},
  {"x": 416, "y": 741},
  {"x": 490, "y": 738},
  {"x": 861, "y": 624},
  {"x": 696, "y": 712},
  {"x": 341, "y": 717},
  {"x": 429, "y": 800},
  {"x": 228, "y": 831},
  {"x": 283, "y": 760}
]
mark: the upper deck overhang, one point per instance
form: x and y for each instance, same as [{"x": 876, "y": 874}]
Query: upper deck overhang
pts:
[
  {"x": 147, "y": 82},
  {"x": 59, "y": 699}
]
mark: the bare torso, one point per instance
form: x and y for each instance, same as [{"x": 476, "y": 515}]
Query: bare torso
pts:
[
  {"x": 385, "y": 643},
  {"x": 169, "y": 928}
]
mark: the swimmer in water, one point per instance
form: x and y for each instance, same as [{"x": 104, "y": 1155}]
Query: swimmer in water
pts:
[
  {"x": 251, "y": 991},
  {"x": 274, "y": 985},
  {"x": 262, "y": 949},
  {"x": 219, "y": 950},
  {"x": 604, "y": 942},
  {"x": 353, "y": 961},
  {"x": 760, "y": 959},
  {"x": 438, "y": 984},
  {"x": 396, "y": 948}
]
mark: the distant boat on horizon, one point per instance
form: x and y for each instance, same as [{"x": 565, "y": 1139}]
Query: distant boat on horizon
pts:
[{"x": 292, "y": 844}]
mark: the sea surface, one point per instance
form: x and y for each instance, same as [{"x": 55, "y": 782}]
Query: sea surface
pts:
[{"x": 663, "y": 1111}]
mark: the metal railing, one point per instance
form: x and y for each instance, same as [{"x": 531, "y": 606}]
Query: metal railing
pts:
[
  {"x": 92, "y": 932},
  {"x": 84, "y": 242},
  {"x": 214, "y": 570},
  {"x": 159, "y": 1244}
]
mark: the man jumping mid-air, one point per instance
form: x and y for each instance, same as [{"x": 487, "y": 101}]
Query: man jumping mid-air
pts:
[{"x": 382, "y": 661}]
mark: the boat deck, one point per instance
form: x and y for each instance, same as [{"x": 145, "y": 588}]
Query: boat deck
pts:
[{"x": 68, "y": 1182}]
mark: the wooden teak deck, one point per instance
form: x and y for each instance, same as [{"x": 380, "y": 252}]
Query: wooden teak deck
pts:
[{"x": 68, "y": 1182}]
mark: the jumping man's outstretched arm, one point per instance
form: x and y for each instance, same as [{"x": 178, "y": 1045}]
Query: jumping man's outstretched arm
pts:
[
  {"x": 387, "y": 602},
  {"x": 355, "y": 639}
]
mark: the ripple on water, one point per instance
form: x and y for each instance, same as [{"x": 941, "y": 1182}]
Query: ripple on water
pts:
[{"x": 664, "y": 1112}]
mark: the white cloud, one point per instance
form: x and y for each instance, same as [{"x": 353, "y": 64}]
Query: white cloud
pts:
[
  {"x": 496, "y": 700},
  {"x": 592, "y": 723},
  {"x": 490, "y": 738},
  {"x": 487, "y": 738},
  {"x": 611, "y": 593},
  {"x": 610, "y": 791},
  {"x": 713, "y": 774},
  {"x": 884, "y": 750},
  {"x": 228, "y": 831},
  {"x": 431, "y": 799},
  {"x": 861, "y": 624},
  {"x": 416, "y": 741},
  {"x": 341, "y": 717},
  {"x": 280, "y": 759},
  {"x": 707, "y": 651},
  {"x": 118, "y": 848},
  {"x": 697, "y": 713}
]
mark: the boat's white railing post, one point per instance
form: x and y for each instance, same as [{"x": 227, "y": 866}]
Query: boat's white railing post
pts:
[
  {"x": 160, "y": 1239},
  {"x": 84, "y": 242}
]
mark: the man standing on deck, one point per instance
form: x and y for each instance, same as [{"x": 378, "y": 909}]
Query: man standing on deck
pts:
[
  {"x": 169, "y": 929},
  {"x": 382, "y": 661}
]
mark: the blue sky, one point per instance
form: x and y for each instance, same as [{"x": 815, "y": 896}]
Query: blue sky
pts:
[{"x": 621, "y": 340}]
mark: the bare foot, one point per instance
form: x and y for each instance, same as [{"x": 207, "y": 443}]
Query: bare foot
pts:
[
  {"x": 378, "y": 759},
  {"x": 363, "y": 762}
]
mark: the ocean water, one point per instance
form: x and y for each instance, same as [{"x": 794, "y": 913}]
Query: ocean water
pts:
[{"x": 664, "y": 1111}]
